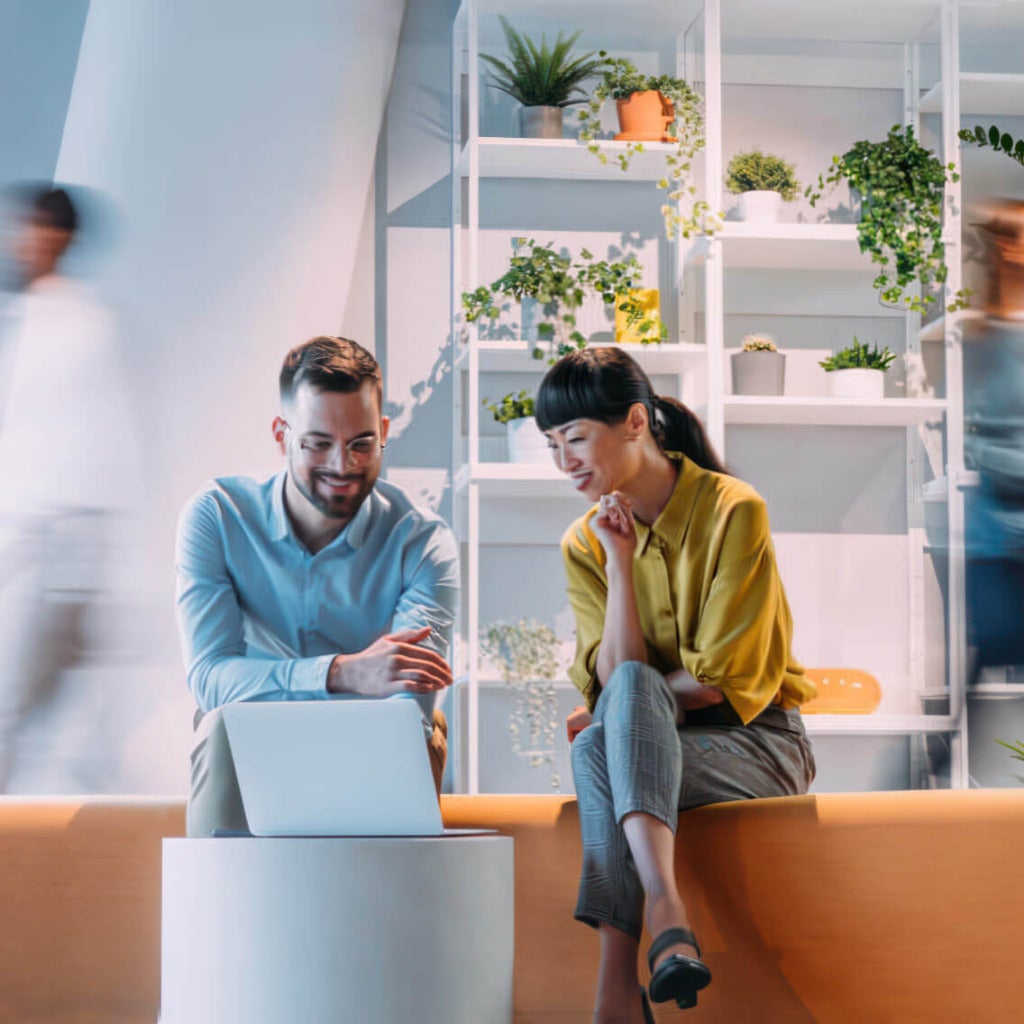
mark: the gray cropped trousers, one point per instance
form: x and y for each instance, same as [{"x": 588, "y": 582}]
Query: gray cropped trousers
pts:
[{"x": 634, "y": 758}]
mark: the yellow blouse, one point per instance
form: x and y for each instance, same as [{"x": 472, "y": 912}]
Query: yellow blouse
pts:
[{"x": 708, "y": 590}]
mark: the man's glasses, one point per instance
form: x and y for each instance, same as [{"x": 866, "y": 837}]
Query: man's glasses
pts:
[{"x": 359, "y": 451}]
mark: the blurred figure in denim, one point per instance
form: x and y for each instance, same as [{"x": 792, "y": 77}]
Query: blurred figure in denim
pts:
[
  {"x": 994, "y": 411},
  {"x": 63, "y": 437}
]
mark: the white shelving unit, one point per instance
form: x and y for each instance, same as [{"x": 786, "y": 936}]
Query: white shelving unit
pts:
[
  {"x": 553, "y": 159},
  {"x": 832, "y": 412},
  {"x": 896, "y": 36},
  {"x": 989, "y": 95}
]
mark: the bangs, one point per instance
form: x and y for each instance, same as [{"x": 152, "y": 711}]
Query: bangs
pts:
[{"x": 572, "y": 390}]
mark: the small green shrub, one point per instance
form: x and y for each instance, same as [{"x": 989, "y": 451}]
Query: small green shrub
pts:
[
  {"x": 859, "y": 357},
  {"x": 761, "y": 172},
  {"x": 511, "y": 407}
]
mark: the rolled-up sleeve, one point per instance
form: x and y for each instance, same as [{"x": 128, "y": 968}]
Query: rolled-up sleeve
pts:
[
  {"x": 741, "y": 641},
  {"x": 219, "y": 667},
  {"x": 588, "y": 596},
  {"x": 430, "y": 586}
]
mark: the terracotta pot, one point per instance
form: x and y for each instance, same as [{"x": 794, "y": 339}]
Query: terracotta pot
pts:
[{"x": 644, "y": 117}]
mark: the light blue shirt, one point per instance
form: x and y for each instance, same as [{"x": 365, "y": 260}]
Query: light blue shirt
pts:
[{"x": 261, "y": 618}]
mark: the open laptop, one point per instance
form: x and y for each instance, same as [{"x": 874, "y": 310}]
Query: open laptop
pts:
[{"x": 334, "y": 768}]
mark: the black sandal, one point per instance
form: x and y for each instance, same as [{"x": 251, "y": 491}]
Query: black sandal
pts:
[
  {"x": 648, "y": 1013},
  {"x": 677, "y": 977}
]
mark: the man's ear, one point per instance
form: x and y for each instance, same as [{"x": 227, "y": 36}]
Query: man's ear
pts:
[
  {"x": 385, "y": 423},
  {"x": 279, "y": 427}
]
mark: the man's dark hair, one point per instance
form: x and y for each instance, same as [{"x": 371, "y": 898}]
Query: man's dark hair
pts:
[
  {"x": 51, "y": 207},
  {"x": 328, "y": 364}
]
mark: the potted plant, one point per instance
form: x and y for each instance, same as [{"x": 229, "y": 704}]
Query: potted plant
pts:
[
  {"x": 858, "y": 371},
  {"x": 545, "y": 80},
  {"x": 525, "y": 654},
  {"x": 763, "y": 181},
  {"x": 900, "y": 187},
  {"x": 654, "y": 108},
  {"x": 526, "y": 443},
  {"x": 560, "y": 284},
  {"x": 759, "y": 369}
]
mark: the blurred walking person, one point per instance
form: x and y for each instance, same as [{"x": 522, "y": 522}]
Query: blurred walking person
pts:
[
  {"x": 994, "y": 409},
  {"x": 63, "y": 438}
]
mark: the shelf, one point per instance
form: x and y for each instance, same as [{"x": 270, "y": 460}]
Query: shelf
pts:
[
  {"x": 983, "y": 94},
  {"x": 1000, "y": 691},
  {"x": 515, "y": 356},
  {"x": 935, "y": 490},
  {"x": 935, "y": 330},
  {"x": 832, "y": 412},
  {"x": 514, "y": 480},
  {"x": 786, "y": 247},
  {"x": 876, "y": 725},
  {"x": 564, "y": 159}
]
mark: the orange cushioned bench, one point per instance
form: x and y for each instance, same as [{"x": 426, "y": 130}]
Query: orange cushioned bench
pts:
[{"x": 857, "y": 908}]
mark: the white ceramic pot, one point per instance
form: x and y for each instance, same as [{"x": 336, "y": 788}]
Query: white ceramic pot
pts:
[
  {"x": 760, "y": 206},
  {"x": 856, "y": 383},
  {"x": 758, "y": 373},
  {"x": 526, "y": 443}
]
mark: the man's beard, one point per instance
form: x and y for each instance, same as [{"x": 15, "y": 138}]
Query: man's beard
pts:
[{"x": 335, "y": 506}]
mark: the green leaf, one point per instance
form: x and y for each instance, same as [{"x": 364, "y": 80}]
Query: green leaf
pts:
[{"x": 993, "y": 136}]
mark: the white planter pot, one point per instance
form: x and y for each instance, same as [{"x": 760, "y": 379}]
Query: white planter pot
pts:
[
  {"x": 526, "y": 443},
  {"x": 760, "y": 206},
  {"x": 758, "y": 373},
  {"x": 857, "y": 383}
]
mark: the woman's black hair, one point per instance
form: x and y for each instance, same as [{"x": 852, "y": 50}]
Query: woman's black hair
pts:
[{"x": 604, "y": 384}]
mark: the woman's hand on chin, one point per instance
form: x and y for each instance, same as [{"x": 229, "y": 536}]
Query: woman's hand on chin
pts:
[{"x": 616, "y": 529}]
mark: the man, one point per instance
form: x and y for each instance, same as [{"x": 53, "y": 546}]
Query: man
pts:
[
  {"x": 323, "y": 581},
  {"x": 65, "y": 464}
]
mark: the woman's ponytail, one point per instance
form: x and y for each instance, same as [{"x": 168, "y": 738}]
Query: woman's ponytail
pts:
[{"x": 678, "y": 429}]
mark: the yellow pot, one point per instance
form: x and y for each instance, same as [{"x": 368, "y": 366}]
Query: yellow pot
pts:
[{"x": 648, "y": 299}]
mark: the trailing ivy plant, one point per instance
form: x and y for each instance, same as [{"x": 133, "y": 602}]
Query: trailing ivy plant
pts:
[
  {"x": 859, "y": 357},
  {"x": 561, "y": 284},
  {"x": 1000, "y": 141},
  {"x": 683, "y": 213},
  {"x": 902, "y": 188},
  {"x": 542, "y": 76},
  {"x": 762, "y": 172},
  {"x": 514, "y": 406},
  {"x": 526, "y": 656}
]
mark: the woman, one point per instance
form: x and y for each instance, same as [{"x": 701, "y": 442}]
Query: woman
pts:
[{"x": 683, "y": 656}]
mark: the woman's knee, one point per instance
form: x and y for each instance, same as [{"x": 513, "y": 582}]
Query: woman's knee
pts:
[
  {"x": 632, "y": 681},
  {"x": 584, "y": 749}
]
